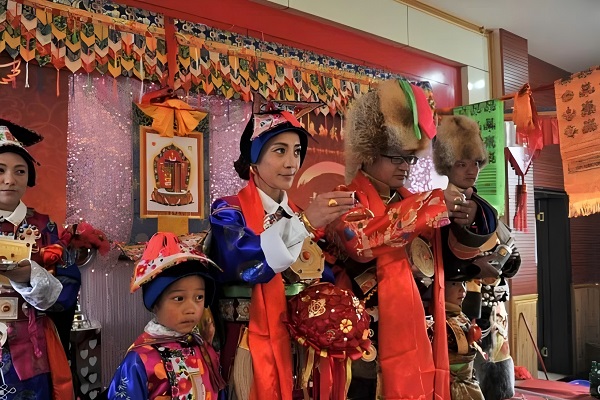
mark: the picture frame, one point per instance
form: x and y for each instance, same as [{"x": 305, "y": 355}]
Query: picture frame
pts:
[{"x": 171, "y": 174}]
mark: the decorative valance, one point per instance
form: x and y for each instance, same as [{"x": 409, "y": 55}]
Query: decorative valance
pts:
[{"x": 125, "y": 42}]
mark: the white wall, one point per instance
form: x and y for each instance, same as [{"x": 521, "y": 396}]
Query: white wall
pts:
[{"x": 403, "y": 24}]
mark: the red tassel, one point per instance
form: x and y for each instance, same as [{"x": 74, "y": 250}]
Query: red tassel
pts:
[
  {"x": 339, "y": 379},
  {"x": 520, "y": 218},
  {"x": 326, "y": 378}
]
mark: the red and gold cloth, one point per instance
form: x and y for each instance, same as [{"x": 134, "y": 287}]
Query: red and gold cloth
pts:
[
  {"x": 410, "y": 368},
  {"x": 577, "y": 101},
  {"x": 333, "y": 325}
]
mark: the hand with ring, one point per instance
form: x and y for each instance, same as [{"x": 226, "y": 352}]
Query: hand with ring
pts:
[
  {"x": 327, "y": 207},
  {"x": 461, "y": 209}
]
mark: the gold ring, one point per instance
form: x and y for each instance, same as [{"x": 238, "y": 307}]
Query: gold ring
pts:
[
  {"x": 332, "y": 203},
  {"x": 467, "y": 215},
  {"x": 456, "y": 207}
]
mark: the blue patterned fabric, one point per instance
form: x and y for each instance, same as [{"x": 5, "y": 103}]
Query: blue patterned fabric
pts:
[{"x": 236, "y": 248}]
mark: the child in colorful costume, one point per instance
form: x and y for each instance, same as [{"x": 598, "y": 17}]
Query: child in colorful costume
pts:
[
  {"x": 390, "y": 238},
  {"x": 256, "y": 236},
  {"x": 33, "y": 364},
  {"x": 486, "y": 244},
  {"x": 462, "y": 339},
  {"x": 170, "y": 360}
]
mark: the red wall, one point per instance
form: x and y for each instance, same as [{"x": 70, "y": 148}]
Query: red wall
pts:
[
  {"x": 38, "y": 108},
  {"x": 280, "y": 26}
]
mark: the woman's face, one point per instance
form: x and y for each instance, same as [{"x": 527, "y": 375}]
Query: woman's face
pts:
[
  {"x": 455, "y": 292},
  {"x": 464, "y": 173},
  {"x": 13, "y": 180},
  {"x": 278, "y": 164}
]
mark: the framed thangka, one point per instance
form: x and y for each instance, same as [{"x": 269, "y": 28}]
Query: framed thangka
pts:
[{"x": 171, "y": 174}]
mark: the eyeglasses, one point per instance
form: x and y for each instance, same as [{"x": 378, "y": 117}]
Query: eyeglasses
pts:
[{"x": 410, "y": 160}]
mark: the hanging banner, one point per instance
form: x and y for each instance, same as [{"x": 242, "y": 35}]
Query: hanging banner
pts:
[
  {"x": 126, "y": 42},
  {"x": 577, "y": 99},
  {"x": 491, "y": 184}
]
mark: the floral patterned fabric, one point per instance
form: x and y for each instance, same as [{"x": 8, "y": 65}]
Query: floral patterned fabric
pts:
[
  {"x": 160, "y": 368},
  {"x": 377, "y": 232}
]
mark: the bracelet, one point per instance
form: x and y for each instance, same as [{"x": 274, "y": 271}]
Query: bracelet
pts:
[{"x": 307, "y": 223}]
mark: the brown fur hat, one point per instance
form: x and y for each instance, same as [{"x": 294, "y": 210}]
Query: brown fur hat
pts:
[
  {"x": 379, "y": 122},
  {"x": 458, "y": 138}
]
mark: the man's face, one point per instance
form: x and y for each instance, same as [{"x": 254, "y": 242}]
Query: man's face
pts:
[
  {"x": 391, "y": 169},
  {"x": 464, "y": 173}
]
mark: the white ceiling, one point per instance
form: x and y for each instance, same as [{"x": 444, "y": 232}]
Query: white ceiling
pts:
[{"x": 565, "y": 33}]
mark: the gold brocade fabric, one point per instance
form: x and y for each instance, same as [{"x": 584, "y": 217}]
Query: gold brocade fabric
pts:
[{"x": 463, "y": 385}]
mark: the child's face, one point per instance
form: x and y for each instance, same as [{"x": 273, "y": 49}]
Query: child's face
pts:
[
  {"x": 455, "y": 292},
  {"x": 181, "y": 305}
]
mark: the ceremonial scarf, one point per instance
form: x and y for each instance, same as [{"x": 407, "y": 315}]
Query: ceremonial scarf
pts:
[
  {"x": 268, "y": 338},
  {"x": 409, "y": 367}
]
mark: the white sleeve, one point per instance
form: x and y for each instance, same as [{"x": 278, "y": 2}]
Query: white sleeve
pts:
[
  {"x": 43, "y": 289},
  {"x": 282, "y": 242}
]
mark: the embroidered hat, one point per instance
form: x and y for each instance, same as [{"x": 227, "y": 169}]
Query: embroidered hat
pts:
[
  {"x": 263, "y": 126},
  {"x": 166, "y": 260},
  {"x": 9, "y": 144},
  {"x": 395, "y": 116}
]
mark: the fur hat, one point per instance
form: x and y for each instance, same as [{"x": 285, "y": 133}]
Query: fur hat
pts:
[
  {"x": 458, "y": 138},
  {"x": 382, "y": 121}
]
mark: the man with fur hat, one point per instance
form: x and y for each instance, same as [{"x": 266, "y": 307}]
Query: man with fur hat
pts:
[
  {"x": 485, "y": 244},
  {"x": 390, "y": 238}
]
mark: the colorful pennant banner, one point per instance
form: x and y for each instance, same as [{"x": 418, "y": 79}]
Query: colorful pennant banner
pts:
[{"x": 124, "y": 42}]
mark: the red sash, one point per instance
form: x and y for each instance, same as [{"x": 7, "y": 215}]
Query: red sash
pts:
[
  {"x": 62, "y": 381},
  {"x": 410, "y": 369},
  {"x": 268, "y": 338}
]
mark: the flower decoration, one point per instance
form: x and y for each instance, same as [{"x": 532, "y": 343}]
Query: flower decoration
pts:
[
  {"x": 334, "y": 327},
  {"x": 84, "y": 235},
  {"x": 52, "y": 257}
]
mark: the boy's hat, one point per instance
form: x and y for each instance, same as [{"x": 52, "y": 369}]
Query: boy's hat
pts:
[
  {"x": 152, "y": 290},
  {"x": 393, "y": 117},
  {"x": 458, "y": 138},
  {"x": 165, "y": 260},
  {"x": 13, "y": 139}
]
